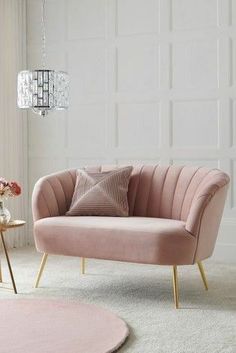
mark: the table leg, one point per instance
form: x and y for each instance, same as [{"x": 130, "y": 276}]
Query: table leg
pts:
[{"x": 8, "y": 263}]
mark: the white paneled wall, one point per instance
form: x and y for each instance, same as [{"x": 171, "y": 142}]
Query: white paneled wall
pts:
[{"x": 151, "y": 81}]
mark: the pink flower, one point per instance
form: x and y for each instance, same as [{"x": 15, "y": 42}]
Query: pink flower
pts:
[
  {"x": 8, "y": 189},
  {"x": 3, "y": 183},
  {"x": 15, "y": 188}
]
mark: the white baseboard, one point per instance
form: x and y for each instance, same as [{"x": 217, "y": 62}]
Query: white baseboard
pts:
[
  {"x": 225, "y": 253},
  {"x": 225, "y": 250}
]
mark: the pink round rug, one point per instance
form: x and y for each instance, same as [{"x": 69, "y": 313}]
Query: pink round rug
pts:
[{"x": 49, "y": 326}]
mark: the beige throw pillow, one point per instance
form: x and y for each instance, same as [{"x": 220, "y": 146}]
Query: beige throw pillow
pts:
[{"x": 101, "y": 194}]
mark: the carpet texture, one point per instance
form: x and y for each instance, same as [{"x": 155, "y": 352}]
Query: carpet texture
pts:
[
  {"x": 142, "y": 296},
  {"x": 61, "y": 326}
]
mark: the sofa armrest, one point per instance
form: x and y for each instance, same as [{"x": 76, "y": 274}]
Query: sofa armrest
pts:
[
  {"x": 206, "y": 212},
  {"x": 52, "y": 194},
  {"x": 203, "y": 195}
]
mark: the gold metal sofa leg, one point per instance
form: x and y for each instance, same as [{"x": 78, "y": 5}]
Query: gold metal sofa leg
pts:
[
  {"x": 82, "y": 265},
  {"x": 175, "y": 287},
  {"x": 201, "y": 269},
  {"x": 43, "y": 262}
]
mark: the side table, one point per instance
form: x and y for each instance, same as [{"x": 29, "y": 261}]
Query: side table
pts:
[{"x": 4, "y": 228}]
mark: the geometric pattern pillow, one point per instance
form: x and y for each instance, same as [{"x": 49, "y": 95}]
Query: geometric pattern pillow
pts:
[{"x": 101, "y": 193}]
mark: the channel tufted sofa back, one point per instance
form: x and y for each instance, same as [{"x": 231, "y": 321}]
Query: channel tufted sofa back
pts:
[{"x": 169, "y": 191}]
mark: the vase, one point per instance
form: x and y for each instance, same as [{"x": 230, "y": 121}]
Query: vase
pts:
[{"x": 5, "y": 215}]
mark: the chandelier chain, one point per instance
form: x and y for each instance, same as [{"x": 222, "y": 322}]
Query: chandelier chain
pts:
[{"x": 43, "y": 35}]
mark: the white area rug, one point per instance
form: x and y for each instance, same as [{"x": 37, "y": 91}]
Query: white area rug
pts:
[{"x": 142, "y": 296}]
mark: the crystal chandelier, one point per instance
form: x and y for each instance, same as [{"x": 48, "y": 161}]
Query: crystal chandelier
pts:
[{"x": 43, "y": 90}]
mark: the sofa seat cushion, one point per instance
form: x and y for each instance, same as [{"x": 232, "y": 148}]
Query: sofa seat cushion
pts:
[{"x": 132, "y": 239}]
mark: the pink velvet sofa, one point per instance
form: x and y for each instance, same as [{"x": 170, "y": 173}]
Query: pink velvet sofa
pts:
[{"x": 174, "y": 217}]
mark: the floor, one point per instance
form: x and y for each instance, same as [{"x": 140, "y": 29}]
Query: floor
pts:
[{"x": 141, "y": 295}]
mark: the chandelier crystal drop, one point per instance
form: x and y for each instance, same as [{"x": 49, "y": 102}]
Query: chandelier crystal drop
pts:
[{"x": 43, "y": 90}]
